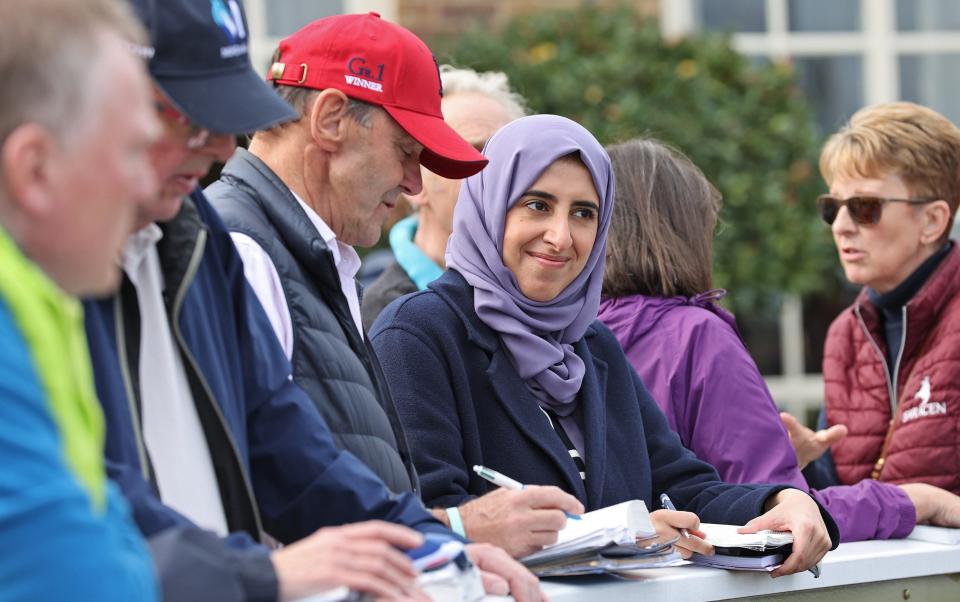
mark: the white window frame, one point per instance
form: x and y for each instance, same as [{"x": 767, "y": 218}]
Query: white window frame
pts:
[{"x": 878, "y": 42}]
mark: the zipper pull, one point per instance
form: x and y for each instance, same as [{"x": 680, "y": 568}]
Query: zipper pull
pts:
[{"x": 878, "y": 467}]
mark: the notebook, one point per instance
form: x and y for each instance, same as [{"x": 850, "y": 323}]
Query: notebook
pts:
[
  {"x": 763, "y": 562},
  {"x": 761, "y": 551},
  {"x": 726, "y": 536},
  {"x": 622, "y": 523},
  {"x": 612, "y": 559}
]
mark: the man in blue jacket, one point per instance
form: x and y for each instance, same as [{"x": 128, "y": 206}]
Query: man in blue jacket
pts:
[
  {"x": 73, "y": 161},
  {"x": 205, "y": 426}
]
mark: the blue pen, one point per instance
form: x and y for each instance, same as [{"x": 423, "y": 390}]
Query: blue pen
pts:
[
  {"x": 502, "y": 480},
  {"x": 668, "y": 505}
]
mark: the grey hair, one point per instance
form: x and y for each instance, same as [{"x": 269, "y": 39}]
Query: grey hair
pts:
[
  {"x": 301, "y": 99},
  {"x": 360, "y": 111},
  {"x": 493, "y": 84},
  {"x": 47, "y": 51}
]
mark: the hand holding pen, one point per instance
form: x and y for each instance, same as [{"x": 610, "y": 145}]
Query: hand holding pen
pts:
[
  {"x": 667, "y": 504},
  {"x": 667, "y": 524},
  {"x": 520, "y": 519},
  {"x": 502, "y": 480}
]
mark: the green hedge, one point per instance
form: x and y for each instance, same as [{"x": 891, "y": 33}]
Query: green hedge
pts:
[{"x": 746, "y": 125}]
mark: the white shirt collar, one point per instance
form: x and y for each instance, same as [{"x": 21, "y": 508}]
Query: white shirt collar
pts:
[
  {"x": 138, "y": 245},
  {"x": 345, "y": 257}
]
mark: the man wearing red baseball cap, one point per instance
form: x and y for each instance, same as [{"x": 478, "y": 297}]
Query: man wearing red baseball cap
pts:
[
  {"x": 306, "y": 192},
  {"x": 368, "y": 95}
]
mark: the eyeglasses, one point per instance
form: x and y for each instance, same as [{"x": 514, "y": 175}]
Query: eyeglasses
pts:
[
  {"x": 197, "y": 136},
  {"x": 863, "y": 210}
]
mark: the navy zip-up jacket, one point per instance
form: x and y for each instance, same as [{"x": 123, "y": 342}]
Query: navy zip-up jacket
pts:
[{"x": 278, "y": 469}]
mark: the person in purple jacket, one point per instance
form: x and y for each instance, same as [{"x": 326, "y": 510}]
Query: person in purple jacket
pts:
[{"x": 659, "y": 302}]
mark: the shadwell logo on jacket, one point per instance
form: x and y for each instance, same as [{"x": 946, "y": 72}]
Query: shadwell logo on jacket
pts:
[{"x": 926, "y": 407}]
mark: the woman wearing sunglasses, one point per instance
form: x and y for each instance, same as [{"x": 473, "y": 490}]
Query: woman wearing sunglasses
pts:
[
  {"x": 891, "y": 363},
  {"x": 660, "y": 303},
  {"x": 501, "y": 361}
]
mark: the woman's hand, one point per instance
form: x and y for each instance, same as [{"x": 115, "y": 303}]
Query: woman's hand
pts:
[
  {"x": 668, "y": 524},
  {"x": 934, "y": 506},
  {"x": 795, "y": 511}
]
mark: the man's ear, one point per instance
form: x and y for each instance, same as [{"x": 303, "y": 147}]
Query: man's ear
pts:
[
  {"x": 28, "y": 162},
  {"x": 328, "y": 119},
  {"x": 936, "y": 218}
]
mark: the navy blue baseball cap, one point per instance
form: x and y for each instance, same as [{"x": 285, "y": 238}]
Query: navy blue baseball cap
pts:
[{"x": 199, "y": 58}]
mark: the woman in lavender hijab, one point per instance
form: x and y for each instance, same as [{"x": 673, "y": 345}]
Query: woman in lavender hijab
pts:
[
  {"x": 686, "y": 348},
  {"x": 501, "y": 361}
]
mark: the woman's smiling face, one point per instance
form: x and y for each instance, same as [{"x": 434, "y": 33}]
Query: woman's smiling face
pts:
[{"x": 550, "y": 231}]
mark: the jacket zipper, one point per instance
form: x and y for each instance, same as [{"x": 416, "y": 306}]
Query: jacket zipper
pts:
[
  {"x": 882, "y": 460},
  {"x": 192, "y": 268},
  {"x": 896, "y": 366},
  {"x": 128, "y": 387}
]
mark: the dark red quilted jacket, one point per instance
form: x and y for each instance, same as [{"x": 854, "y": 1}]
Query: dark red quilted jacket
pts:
[{"x": 910, "y": 431}]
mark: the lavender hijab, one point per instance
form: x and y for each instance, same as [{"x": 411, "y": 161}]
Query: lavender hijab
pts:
[{"x": 537, "y": 336}]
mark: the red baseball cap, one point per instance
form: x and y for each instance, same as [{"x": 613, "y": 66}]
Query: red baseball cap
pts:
[{"x": 381, "y": 63}]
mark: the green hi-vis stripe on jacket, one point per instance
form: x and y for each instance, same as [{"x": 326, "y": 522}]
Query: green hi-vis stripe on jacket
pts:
[{"x": 52, "y": 324}]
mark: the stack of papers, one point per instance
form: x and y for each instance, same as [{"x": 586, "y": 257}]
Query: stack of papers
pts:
[
  {"x": 612, "y": 559},
  {"x": 760, "y": 551},
  {"x": 726, "y": 536},
  {"x": 624, "y": 523},
  {"x": 616, "y": 538}
]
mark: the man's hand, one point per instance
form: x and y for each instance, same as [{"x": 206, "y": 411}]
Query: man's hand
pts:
[
  {"x": 810, "y": 444},
  {"x": 795, "y": 511},
  {"x": 503, "y": 575},
  {"x": 519, "y": 521},
  {"x": 363, "y": 557},
  {"x": 934, "y": 506},
  {"x": 668, "y": 524}
]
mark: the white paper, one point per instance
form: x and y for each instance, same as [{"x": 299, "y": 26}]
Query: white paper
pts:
[
  {"x": 620, "y": 524},
  {"x": 726, "y": 536}
]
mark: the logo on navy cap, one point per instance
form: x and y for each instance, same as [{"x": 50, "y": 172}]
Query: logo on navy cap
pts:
[{"x": 228, "y": 16}]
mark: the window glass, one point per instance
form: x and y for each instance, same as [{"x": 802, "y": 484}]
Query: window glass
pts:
[
  {"x": 287, "y": 16},
  {"x": 931, "y": 80},
  {"x": 928, "y": 15},
  {"x": 833, "y": 85},
  {"x": 824, "y": 15},
  {"x": 731, "y": 15}
]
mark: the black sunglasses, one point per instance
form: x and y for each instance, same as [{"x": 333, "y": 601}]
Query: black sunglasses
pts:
[{"x": 864, "y": 210}]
